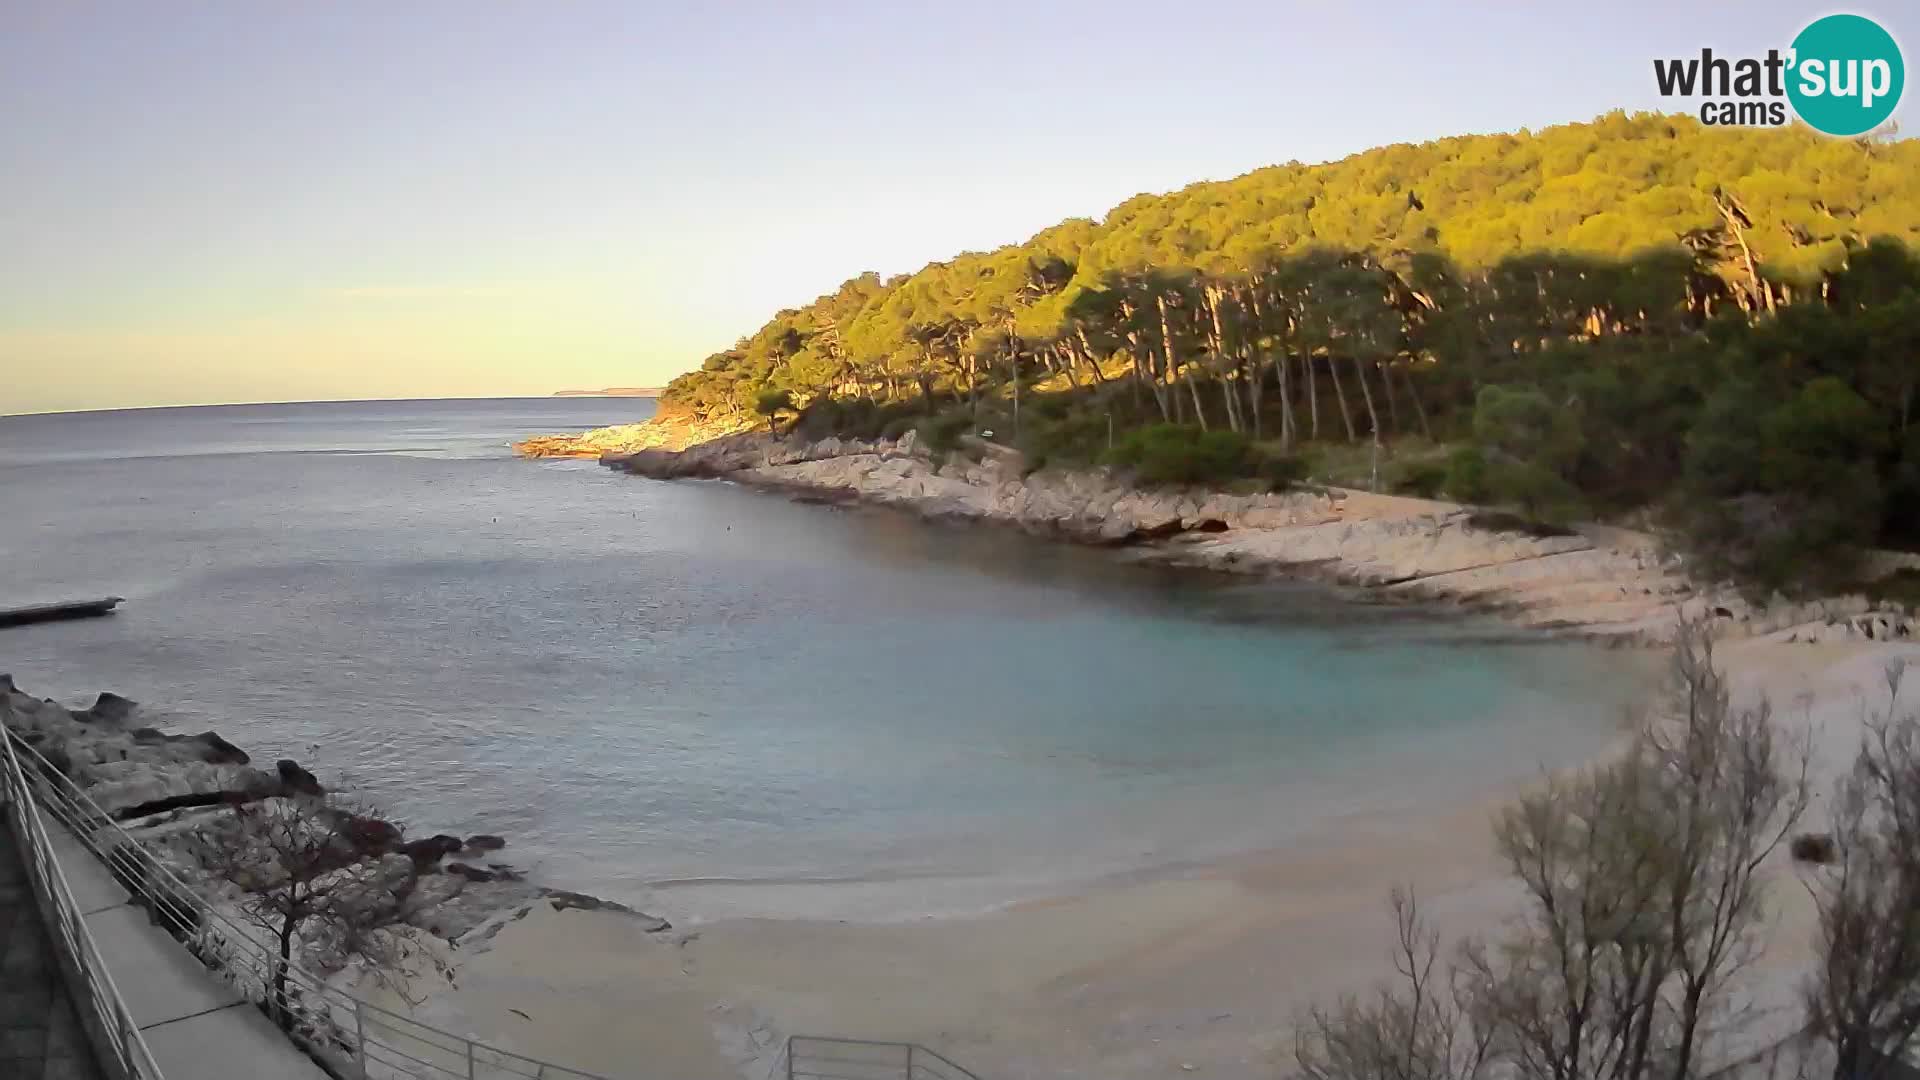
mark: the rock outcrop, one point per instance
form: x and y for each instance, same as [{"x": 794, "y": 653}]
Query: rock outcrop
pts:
[
  {"x": 1594, "y": 581},
  {"x": 297, "y": 779},
  {"x": 167, "y": 790},
  {"x": 430, "y": 849}
]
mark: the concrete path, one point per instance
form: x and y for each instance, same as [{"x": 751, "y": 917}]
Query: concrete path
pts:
[
  {"x": 197, "y": 1026},
  {"x": 40, "y": 1034}
]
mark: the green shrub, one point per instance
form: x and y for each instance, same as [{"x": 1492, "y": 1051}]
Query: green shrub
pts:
[
  {"x": 1069, "y": 437},
  {"x": 1171, "y": 455},
  {"x": 1775, "y": 494},
  {"x": 1187, "y": 456},
  {"x": 942, "y": 433},
  {"x": 1048, "y": 407},
  {"x": 822, "y": 417},
  {"x": 1179, "y": 454},
  {"x": 1527, "y": 445},
  {"x": 1467, "y": 475},
  {"x": 772, "y": 402},
  {"x": 849, "y": 418},
  {"x": 1421, "y": 479},
  {"x": 1796, "y": 545},
  {"x": 898, "y": 426},
  {"x": 1282, "y": 471},
  {"x": 1523, "y": 423},
  {"x": 1540, "y": 493}
]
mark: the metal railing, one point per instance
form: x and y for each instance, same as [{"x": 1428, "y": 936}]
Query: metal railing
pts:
[
  {"x": 110, "y": 1025},
  {"x": 352, "y": 1036},
  {"x": 812, "y": 1057}
]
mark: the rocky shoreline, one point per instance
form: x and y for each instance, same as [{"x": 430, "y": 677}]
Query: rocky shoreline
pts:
[
  {"x": 660, "y": 433},
  {"x": 1592, "y": 581},
  {"x": 167, "y": 790}
]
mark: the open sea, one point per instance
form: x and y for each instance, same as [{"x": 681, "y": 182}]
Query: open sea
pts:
[{"x": 707, "y": 701}]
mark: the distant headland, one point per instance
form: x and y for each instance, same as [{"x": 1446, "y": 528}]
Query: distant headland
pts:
[{"x": 613, "y": 391}]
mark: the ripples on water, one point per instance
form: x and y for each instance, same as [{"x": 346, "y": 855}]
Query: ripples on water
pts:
[{"x": 688, "y": 694}]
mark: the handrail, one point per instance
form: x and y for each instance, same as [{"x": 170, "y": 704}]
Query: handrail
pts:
[
  {"x": 116, "y": 1035},
  {"x": 826, "y": 1057},
  {"x": 360, "y": 1039},
  {"x": 356, "y": 1037}
]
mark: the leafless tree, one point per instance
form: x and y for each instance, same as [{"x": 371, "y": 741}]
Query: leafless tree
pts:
[
  {"x": 1570, "y": 992},
  {"x": 1643, "y": 882},
  {"x": 1419, "y": 1026},
  {"x": 306, "y": 874},
  {"x": 1731, "y": 789},
  {"x": 1864, "y": 993}
]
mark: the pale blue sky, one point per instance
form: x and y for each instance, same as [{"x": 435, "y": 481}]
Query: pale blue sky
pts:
[{"x": 240, "y": 201}]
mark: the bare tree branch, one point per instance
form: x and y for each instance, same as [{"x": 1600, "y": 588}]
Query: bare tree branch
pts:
[{"x": 309, "y": 872}]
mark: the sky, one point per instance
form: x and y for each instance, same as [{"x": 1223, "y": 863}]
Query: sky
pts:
[{"x": 217, "y": 202}]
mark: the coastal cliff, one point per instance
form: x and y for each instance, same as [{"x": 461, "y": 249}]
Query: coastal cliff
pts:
[{"x": 1592, "y": 580}]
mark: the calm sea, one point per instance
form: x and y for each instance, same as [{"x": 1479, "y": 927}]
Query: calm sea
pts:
[{"x": 710, "y": 701}]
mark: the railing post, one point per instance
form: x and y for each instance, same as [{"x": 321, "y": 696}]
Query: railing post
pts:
[
  {"x": 789, "y": 1057},
  {"x": 359, "y": 1039},
  {"x": 469, "y": 1059},
  {"x": 909, "y": 1061}
]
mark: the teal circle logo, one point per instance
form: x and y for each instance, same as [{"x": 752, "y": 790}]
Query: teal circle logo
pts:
[{"x": 1846, "y": 74}]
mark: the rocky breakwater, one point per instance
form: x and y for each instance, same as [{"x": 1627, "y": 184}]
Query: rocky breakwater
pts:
[
  {"x": 1593, "y": 580},
  {"x": 176, "y": 793}
]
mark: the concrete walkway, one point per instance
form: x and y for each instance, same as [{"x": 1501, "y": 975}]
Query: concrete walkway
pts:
[
  {"x": 40, "y": 1034},
  {"x": 197, "y": 1026}
]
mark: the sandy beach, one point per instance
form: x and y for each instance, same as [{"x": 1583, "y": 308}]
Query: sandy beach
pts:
[{"x": 1199, "y": 972}]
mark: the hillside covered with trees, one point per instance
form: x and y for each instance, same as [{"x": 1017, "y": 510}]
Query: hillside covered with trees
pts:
[{"x": 1720, "y": 326}]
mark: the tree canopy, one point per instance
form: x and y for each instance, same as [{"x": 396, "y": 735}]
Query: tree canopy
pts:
[
  {"x": 1605, "y": 312},
  {"x": 1765, "y": 211}
]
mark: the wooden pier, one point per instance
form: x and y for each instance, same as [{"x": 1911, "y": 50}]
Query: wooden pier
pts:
[{"x": 72, "y": 609}]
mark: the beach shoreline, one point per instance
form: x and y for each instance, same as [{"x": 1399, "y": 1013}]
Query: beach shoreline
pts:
[
  {"x": 1196, "y": 968},
  {"x": 1201, "y": 969},
  {"x": 1197, "y": 971}
]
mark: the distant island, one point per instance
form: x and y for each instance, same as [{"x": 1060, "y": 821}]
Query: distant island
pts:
[{"x": 613, "y": 391}]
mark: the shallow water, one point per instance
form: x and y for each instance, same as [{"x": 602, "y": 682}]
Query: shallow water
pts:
[{"x": 712, "y": 701}]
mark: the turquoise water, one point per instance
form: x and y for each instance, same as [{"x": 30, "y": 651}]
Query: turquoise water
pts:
[{"x": 714, "y": 701}]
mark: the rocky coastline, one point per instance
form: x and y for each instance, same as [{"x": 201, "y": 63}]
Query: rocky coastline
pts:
[
  {"x": 167, "y": 790},
  {"x": 1592, "y": 581},
  {"x": 659, "y": 433}
]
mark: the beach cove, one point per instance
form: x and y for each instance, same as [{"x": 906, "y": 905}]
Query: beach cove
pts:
[
  {"x": 1198, "y": 971},
  {"x": 1193, "y": 789}
]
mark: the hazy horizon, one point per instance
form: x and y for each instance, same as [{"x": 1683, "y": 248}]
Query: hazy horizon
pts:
[
  {"x": 333, "y": 401},
  {"x": 228, "y": 204}
]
